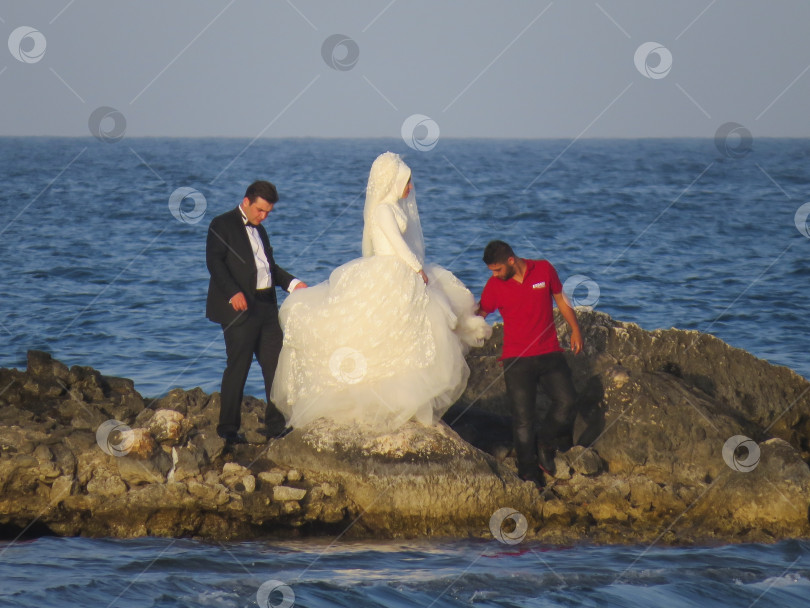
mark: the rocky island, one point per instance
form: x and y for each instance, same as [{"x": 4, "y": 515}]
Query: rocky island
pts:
[{"x": 682, "y": 439}]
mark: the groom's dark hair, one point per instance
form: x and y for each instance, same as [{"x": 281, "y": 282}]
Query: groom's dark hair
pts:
[
  {"x": 261, "y": 189},
  {"x": 497, "y": 252}
]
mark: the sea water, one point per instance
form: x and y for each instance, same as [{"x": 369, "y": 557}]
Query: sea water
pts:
[
  {"x": 80, "y": 572},
  {"x": 102, "y": 254}
]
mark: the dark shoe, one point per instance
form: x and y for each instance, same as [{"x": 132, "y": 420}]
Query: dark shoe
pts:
[
  {"x": 233, "y": 438},
  {"x": 276, "y": 433},
  {"x": 545, "y": 458}
]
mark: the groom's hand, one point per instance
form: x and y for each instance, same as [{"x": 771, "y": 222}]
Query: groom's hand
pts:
[
  {"x": 239, "y": 302},
  {"x": 300, "y": 285}
]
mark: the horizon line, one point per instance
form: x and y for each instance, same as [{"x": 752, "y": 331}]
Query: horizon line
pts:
[{"x": 393, "y": 138}]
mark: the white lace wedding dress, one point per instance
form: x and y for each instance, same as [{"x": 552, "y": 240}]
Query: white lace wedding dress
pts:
[{"x": 373, "y": 344}]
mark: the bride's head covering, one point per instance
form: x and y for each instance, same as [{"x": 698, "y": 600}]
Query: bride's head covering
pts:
[{"x": 386, "y": 182}]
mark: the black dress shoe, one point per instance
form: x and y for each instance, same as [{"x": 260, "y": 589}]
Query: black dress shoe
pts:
[
  {"x": 276, "y": 433},
  {"x": 233, "y": 438},
  {"x": 545, "y": 456}
]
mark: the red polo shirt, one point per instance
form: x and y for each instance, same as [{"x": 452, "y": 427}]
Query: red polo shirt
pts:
[{"x": 526, "y": 308}]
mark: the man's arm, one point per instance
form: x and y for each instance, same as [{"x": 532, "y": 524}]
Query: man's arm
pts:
[
  {"x": 216, "y": 251},
  {"x": 285, "y": 280},
  {"x": 487, "y": 303},
  {"x": 571, "y": 318}
]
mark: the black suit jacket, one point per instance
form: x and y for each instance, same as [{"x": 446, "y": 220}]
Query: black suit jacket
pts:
[{"x": 230, "y": 261}]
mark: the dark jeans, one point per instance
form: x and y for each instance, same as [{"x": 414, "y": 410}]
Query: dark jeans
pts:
[
  {"x": 260, "y": 335},
  {"x": 523, "y": 375}
]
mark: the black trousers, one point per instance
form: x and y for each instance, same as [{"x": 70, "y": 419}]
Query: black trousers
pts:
[
  {"x": 523, "y": 375},
  {"x": 260, "y": 335}
]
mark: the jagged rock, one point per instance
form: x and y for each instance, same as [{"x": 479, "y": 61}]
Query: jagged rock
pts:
[
  {"x": 212, "y": 495},
  {"x": 773, "y": 495},
  {"x": 681, "y": 439},
  {"x": 233, "y": 469},
  {"x": 137, "y": 471},
  {"x": 402, "y": 481},
  {"x": 111, "y": 485},
  {"x": 248, "y": 484},
  {"x": 168, "y": 426},
  {"x": 12, "y": 440},
  {"x": 328, "y": 489},
  {"x": 86, "y": 384},
  {"x": 276, "y": 477},
  {"x": 211, "y": 444},
  {"x": 43, "y": 366},
  {"x": 48, "y": 470},
  {"x": 284, "y": 493},
  {"x": 578, "y": 459},
  {"x": 122, "y": 400},
  {"x": 290, "y": 507},
  {"x": 659, "y": 407},
  {"x": 64, "y": 459},
  {"x": 84, "y": 418},
  {"x": 139, "y": 443},
  {"x": 61, "y": 488},
  {"x": 238, "y": 478},
  {"x": 186, "y": 464},
  {"x": 184, "y": 402}
]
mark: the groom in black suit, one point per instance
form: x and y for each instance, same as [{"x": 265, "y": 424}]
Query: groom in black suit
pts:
[{"x": 242, "y": 298}]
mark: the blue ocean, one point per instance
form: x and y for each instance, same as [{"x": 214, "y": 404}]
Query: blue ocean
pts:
[{"x": 102, "y": 254}]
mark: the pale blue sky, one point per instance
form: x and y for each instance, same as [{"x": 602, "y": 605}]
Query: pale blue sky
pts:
[{"x": 248, "y": 68}]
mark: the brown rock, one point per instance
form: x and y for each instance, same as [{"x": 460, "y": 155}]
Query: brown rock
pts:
[
  {"x": 141, "y": 444},
  {"x": 274, "y": 477},
  {"x": 238, "y": 478},
  {"x": 61, "y": 489},
  {"x": 136, "y": 471},
  {"x": 167, "y": 426},
  {"x": 43, "y": 366},
  {"x": 184, "y": 402},
  {"x": 659, "y": 407},
  {"x": 111, "y": 485},
  {"x": 285, "y": 493},
  {"x": 582, "y": 460},
  {"x": 185, "y": 464}
]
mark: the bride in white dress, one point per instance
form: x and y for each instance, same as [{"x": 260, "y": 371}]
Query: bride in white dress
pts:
[{"x": 383, "y": 340}]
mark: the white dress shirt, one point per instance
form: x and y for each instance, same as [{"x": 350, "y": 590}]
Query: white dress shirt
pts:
[{"x": 264, "y": 277}]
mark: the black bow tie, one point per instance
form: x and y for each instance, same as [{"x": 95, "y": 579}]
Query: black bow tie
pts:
[{"x": 249, "y": 225}]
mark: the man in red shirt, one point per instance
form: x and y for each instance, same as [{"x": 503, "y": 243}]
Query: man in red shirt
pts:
[{"x": 523, "y": 290}]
